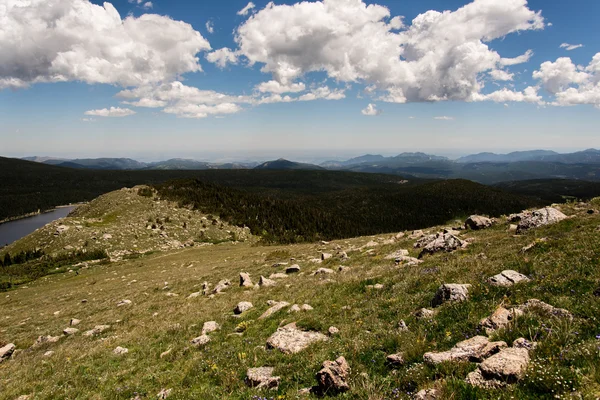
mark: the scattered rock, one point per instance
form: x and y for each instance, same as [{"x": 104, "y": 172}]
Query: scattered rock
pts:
[
  {"x": 333, "y": 377},
  {"x": 508, "y": 365},
  {"x": 222, "y": 285},
  {"x": 377, "y": 286},
  {"x": 474, "y": 349},
  {"x": 200, "y": 340},
  {"x": 297, "y": 308},
  {"x": 326, "y": 256},
  {"x": 541, "y": 217},
  {"x": 537, "y": 306},
  {"x": 425, "y": 313},
  {"x": 508, "y": 278},
  {"x": 70, "y": 331},
  {"x": 210, "y": 326},
  {"x": 120, "y": 351},
  {"x": 407, "y": 261},
  {"x": 74, "y": 322},
  {"x": 48, "y": 353},
  {"x": 443, "y": 243},
  {"x": 476, "y": 379},
  {"x": 98, "y": 329},
  {"x": 291, "y": 340},
  {"x": 262, "y": 378},
  {"x": 416, "y": 235},
  {"x": 294, "y": 269},
  {"x": 477, "y": 222},
  {"x": 451, "y": 292},
  {"x": 275, "y": 306},
  {"x": 278, "y": 275},
  {"x": 523, "y": 343},
  {"x": 164, "y": 393},
  {"x": 428, "y": 394},
  {"x": 107, "y": 236},
  {"x": 323, "y": 271},
  {"x": 396, "y": 359},
  {"x": 333, "y": 331},
  {"x": 245, "y": 280},
  {"x": 242, "y": 306},
  {"x": 499, "y": 319},
  {"x": 397, "y": 254},
  {"x": 124, "y": 303},
  {"x": 532, "y": 245},
  {"x": 41, "y": 340},
  {"x": 402, "y": 326},
  {"x": 194, "y": 295},
  {"x": 6, "y": 352},
  {"x": 266, "y": 282}
]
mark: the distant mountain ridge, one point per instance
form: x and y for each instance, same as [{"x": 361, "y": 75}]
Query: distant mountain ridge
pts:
[{"x": 283, "y": 164}]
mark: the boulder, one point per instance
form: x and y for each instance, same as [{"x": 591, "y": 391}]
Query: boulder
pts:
[
  {"x": 74, "y": 322},
  {"x": 124, "y": 303},
  {"x": 477, "y": 379},
  {"x": 323, "y": 271},
  {"x": 70, "y": 331},
  {"x": 333, "y": 376},
  {"x": 396, "y": 359},
  {"x": 221, "y": 286},
  {"x": 425, "y": 313},
  {"x": 120, "y": 351},
  {"x": 210, "y": 326},
  {"x": 245, "y": 280},
  {"x": 541, "y": 217},
  {"x": 333, "y": 331},
  {"x": 6, "y": 352},
  {"x": 523, "y": 343},
  {"x": 41, "y": 340},
  {"x": 275, "y": 306},
  {"x": 326, "y": 256},
  {"x": 291, "y": 340},
  {"x": 297, "y": 308},
  {"x": 98, "y": 329},
  {"x": 242, "y": 307},
  {"x": 163, "y": 394},
  {"x": 443, "y": 243},
  {"x": 428, "y": 394},
  {"x": 474, "y": 349},
  {"x": 499, "y": 319},
  {"x": 266, "y": 282},
  {"x": 294, "y": 269},
  {"x": 262, "y": 378},
  {"x": 508, "y": 365},
  {"x": 397, "y": 254},
  {"x": 200, "y": 340},
  {"x": 477, "y": 222},
  {"x": 508, "y": 278},
  {"x": 451, "y": 292},
  {"x": 278, "y": 275}
]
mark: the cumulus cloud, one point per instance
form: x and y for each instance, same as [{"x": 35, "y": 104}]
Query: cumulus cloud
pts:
[
  {"x": 75, "y": 40},
  {"x": 210, "y": 28},
  {"x": 276, "y": 87},
  {"x": 500, "y": 75},
  {"x": 529, "y": 95},
  {"x": 570, "y": 47},
  {"x": 111, "y": 112},
  {"x": 371, "y": 111},
  {"x": 517, "y": 60},
  {"x": 246, "y": 10},
  {"x": 557, "y": 76},
  {"x": 222, "y": 57},
  {"x": 439, "y": 56}
]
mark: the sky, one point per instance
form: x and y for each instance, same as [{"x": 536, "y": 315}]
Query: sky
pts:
[{"x": 225, "y": 80}]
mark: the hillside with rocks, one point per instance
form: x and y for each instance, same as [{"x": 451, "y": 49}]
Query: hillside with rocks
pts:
[{"x": 486, "y": 308}]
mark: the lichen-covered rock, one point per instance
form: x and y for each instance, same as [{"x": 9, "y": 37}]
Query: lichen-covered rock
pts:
[
  {"x": 451, "y": 292},
  {"x": 210, "y": 326},
  {"x": 262, "y": 378},
  {"x": 291, "y": 340},
  {"x": 333, "y": 377},
  {"x": 477, "y": 222},
  {"x": 541, "y": 217},
  {"x": 425, "y": 313},
  {"x": 474, "y": 349},
  {"x": 120, "y": 351},
  {"x": 443, "y": 243},
  {"x": 266, "y": 282},
  {"x": 477, "y": 379},
  {"x": 242, "y": 306},
  {"x": 41, "y": 340},
  {"x": 509, "y": 365},
  {"x": 323, "y": 271},
  {"x": 508, "y": 278},
  {"x": 428, "y": 394},
  {"x": 200, "y": 340},
  {"x": 395, "y": 359},
  {"x": 499, "y": 319}
]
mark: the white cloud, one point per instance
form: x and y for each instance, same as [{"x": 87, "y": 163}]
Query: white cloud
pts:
[
  {"x": 222, "y": 57},
  {"x": 570, "y": 47},
  {"x": 444, "y": 118},
  {"x": 246, "y": 10},
  {"x": 323, "y": 93},
  {"x": 500, "y": 75},
  {"x": 276, "y": 87},
  {"x": 210, "y": 28},
  {"x": 529, "y": 95},
  {"x": 439, "y": 56},
  {"x": 148, "y": 5},
  {"x": 111, "y": 112},
  {"x": 75, "y": 40},
  {"x": 201, "y": 110},
  {"x": 557, "y": 76},
  {"x": 517, "y": 60},
  {"x": 371, "y": 111}
]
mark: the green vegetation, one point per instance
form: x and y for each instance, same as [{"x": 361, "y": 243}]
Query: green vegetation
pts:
[{"x": 553, "y": 190}]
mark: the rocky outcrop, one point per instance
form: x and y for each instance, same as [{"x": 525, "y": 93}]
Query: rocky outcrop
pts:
[
  {"x": 6, "y": 352},
  {"x": 508, "y": 278},
  {"x": 539, "y": 307},
  {"x": 474, "y": 349},
  {"x": 262, "y": 378},
  {"x": 242, "y": 307},
  {"x": 291, "y": 340},
  {"x": 477, "y": 222},
  {"x": 541, "y": 217},
  {"x": 333, "y": 377},
  {"x": 443, "y": 243},
  {"x": 451, "y": 292}
]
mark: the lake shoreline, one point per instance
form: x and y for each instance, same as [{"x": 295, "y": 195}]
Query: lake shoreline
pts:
[{"x": 38, "y": 212}]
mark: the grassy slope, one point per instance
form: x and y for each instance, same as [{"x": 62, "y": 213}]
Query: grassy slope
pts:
[{"x": 563, "y": 270}]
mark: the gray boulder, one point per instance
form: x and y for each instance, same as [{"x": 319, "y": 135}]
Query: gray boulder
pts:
[
  {"x": 245, "y": 280},
  {"x": 443, "y": 243},
  {"x": 262, "y": 378},
  {"x": 509, "y": 365},
  {"x": 474, "y": 349},
  {"x": 275, "y": 306},
  {"x": 6, "y": 352},
  {"x": 333, "y": 377},
  {"x": 242, "y": 307},
  {"x": 541, "y": 217},
  {"x": 508, "y": 278},
  {"x": 291, "y": 340},
  {"x": 477, "y": 222},
  {"x": 451, "y": 292}
]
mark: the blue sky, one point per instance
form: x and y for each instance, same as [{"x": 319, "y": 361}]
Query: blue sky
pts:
[{"x": 442, "y": 86}]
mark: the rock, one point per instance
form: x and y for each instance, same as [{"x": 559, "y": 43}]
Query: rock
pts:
[
  {"x": 291, "y": 340},
  {"x": 61, "y": 229},
  {"x": 275, "y": 306},
  {"x": 402, "y": 326},
  {"x": 120, "y": 351},
  {"x": 333, "y": 376},
  {"x": 98, "y": 329},
  {"x": 508, "y": 365},
  {"x": 541, "y": 217},
  {"x": 474, "y": 349},
  {"x": 24, "y": 397},
  {"x": 74, "y": 322},
  {"x": 48, "y": 353},
  {"x": 107, "y": 236},
  {"x": 245, "y": 280},
  {"x": 194, "y": 295},
  {"x": 266, "y": 282},
  {"x": 371, "y": 244},
  {"x": 164, "y": 393},
  {"x": 172, "y": 294},
  {"x": 523, "y": 343},
  {"x": 294, "y": 269},
  {"x": 70, "y": 331},
  {"x": 200, "y": 340},
  {"x": 262, "y": 378},
  {"x": 222, "y": 285},
  {"x": 278, "y": 276},
  {"x": 508, "y": 278},
  {"x": 124, "y": 303},
  {"x": 397, "y": 254},
  {"x": 377, "y": 286},
  {"x": 210, "y": 326},
  {"x": 513, "y": 227},
  {"x": 242, "y": 306},
  {"x": 477, "y": 222},
  {"x": 499, "y": 319},
  {"x": 323, "y": 271},
  {"x": 333, "y": 331},
  {"x": 297, "y": 308},
  {"x": 476, "y": 379},
  {"x": 407, "y": 261},
  {"x": 416, "y": 235},
  {"x": 396, "y": 359},
  {"x": 428, "y": 394},
  {"x": 41, "y": 340},
  {"x": 537, "y": 306},
  {"x": 424, "y": 241},
  {"x": 424, "y": 313},
  {"x": 326, "y": 256},
  {"x": 443, "y": 243},
  {"x": 451, "y": 292},
  {"x": 205, "y": 288},
  {"x": 6, "y": 352}
]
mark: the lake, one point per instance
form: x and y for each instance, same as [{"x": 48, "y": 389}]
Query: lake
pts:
[{"x": 15, "y": 230}]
